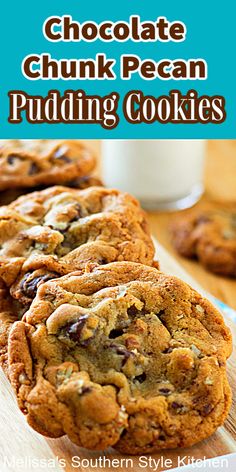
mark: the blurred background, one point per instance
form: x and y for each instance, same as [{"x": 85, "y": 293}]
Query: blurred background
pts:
[{"x": 219, "y": 186}]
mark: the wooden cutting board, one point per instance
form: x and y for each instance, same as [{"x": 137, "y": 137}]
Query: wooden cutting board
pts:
[{"x": 23, "y": 450}]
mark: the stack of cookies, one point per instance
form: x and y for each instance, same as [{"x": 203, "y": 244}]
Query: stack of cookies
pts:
[{"x": 98, "y": 343}]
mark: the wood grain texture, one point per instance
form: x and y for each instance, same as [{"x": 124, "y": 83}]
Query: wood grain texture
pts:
[{"x": 19, "y": 441}]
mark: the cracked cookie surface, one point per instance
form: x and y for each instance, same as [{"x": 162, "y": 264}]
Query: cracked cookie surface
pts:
[
  {"x": 50, "y": 233},
  {"x": 209, "y": 236},
  {"x": 122, "y": 356},
  {"x": 28, "y": 163}
]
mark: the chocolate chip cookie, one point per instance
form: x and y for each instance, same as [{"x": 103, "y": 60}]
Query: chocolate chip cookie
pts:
[
  {"x": 28, "y": 163},
  {"x": 210, "y": 237},
  {"x": 80, "y": 183},
  {"x": 121, "y": 356}
]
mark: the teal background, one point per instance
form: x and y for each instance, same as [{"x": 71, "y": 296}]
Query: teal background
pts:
[{"x": 210, "y": 35}]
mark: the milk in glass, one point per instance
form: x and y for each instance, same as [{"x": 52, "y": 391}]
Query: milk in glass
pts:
[{"x": 162, "y": 174}]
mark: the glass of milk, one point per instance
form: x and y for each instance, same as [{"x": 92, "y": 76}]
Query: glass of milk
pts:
[{"x": 162, "y": 174}]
